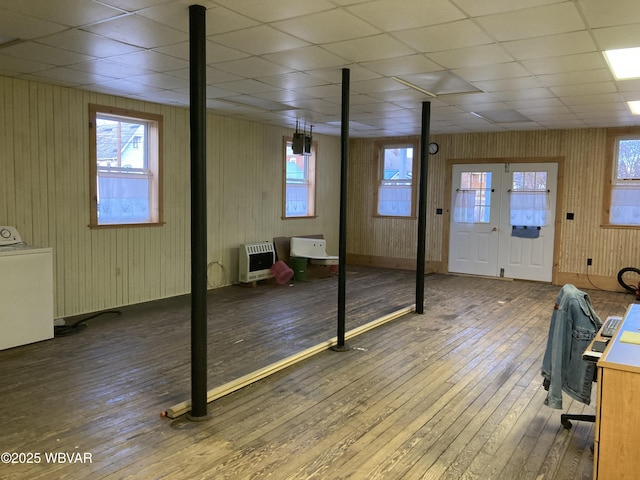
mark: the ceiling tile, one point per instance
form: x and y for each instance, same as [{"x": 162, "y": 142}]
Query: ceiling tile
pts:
[
  {"x": 322, "y": 91},
  {"x": 16, "y": 25},
  {"x": 566, "y": 63},
  {"x": 608, "y": 13},
  {"x": 45, "y": 54},
  {"x": 334, "y": 75},
  {"x": 273, "y": 11},
  {"x": 391, "y": 15},
  {"x": 151, "y": 60},
  {"x": 476, "y": 8},
  {"x": 369, "y": 49},
  {"x": 472, "y": 56},
  {"x": 551, "y": 46},
  {"x": 87, "y": 43},
  {"x": 221, "y": 20},
  {"x": 592, "y": 99},
  {"x": 530, "y": 94},
  {"x": 492, "y": 72},
  {"x": 133, "y": 5},
  {"x": 330, "y": 26},
  {"x": 166, "y": 97},
  {"x": 17, "y": 65},
  {"x": 213, "y": 52},
  {"x": 248, "y": 86},
  {"x": 630, "y": 85},
  {"x": 449, "y": 36},
  {"x": 72, "y": 13},
  {"x": 109, "y": 69},
  {"x": 71, "y": 77},
  {"x": 252, "y": 67},
  {"x": 523, "y": 103},
  {"x": 408, "y": 64},
  {"x": 611, "y": 38},
  {"x": 533, "y": 22},
  {"x": 139, "y": 31},
  {"x": 293, "y": 80},
  {"x": 123, "y": 87},
  {"x": 160, "y": 80},
  {"x": 531, "y": 55},
  {"x": 584, "y": 89},
  {"x": 213, "y": 75},
  {"x": 508, "y": 84},
  {"x": 376, "y": 85},
  {"x": 283, "y": 96},
  {"x": 258, "y": 40},
  {"x": 576, "y": 78},
  {"x": 306, "y": 58},
  {"x": 440, "y": 83},
  {"x": 175, "y": 14}
]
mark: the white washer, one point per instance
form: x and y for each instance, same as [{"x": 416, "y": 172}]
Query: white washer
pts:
[{"x": 26, "y": 295}]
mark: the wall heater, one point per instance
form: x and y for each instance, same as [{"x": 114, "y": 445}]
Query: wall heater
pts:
[{"x": 255, "y": 261}]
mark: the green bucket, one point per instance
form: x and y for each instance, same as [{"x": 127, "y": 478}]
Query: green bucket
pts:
[{"x": 299, "y": 266}]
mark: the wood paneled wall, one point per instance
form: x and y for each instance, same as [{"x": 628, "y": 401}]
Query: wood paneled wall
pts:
[
  {"x": 393, "y": 241},
  {"x": 44, "y": 193}
]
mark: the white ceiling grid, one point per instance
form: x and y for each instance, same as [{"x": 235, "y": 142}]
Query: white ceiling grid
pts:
[{"x": 522, "y": 65}]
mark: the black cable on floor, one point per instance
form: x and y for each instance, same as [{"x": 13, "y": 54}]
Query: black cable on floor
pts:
[{"x": 79, "y": 325}]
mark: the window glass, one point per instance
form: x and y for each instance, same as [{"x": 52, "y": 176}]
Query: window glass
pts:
[
  {"x": 396, "y": 184},
  {"x": 625, "y": 184},
  {"x": 299, "y": 181},
  {"x": 473, "y": 198},
  {"x": 529, "y": 199},
  {"x": 125, "y": 167}
]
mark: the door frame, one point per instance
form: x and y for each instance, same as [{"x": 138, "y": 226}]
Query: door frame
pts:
[{"x": 447, "y": 201}]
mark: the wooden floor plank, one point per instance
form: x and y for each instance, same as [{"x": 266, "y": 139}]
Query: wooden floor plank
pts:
[{"x": 455, "y": 393}]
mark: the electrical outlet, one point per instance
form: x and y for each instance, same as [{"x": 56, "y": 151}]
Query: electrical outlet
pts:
[{"x": 589, "y": 262}]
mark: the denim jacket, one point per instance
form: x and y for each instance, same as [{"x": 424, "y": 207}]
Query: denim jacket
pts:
[{"x": 574, "y": 323}]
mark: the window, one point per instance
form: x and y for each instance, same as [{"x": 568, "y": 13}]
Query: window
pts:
[
  {"x": 473, "y": 198},
  {"x": 624, "y": 194},
  {"x": 396, "y": 182},
  {"x": 125, "y": 166},
  {"x": 299, "y": 200},
  {"x": 529, "y": 199}
]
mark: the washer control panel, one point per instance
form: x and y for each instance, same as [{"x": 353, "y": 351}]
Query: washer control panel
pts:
[{"x": 9, "y": 236}]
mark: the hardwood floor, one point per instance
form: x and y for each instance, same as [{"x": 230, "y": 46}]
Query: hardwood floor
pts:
[{"x": 455, "y": 393}]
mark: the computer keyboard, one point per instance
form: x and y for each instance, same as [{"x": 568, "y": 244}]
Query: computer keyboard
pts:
[{"x": 610, "y": 326}]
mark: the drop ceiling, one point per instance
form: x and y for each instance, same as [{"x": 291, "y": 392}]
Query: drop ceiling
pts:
[{"x": 485, "y": 66}]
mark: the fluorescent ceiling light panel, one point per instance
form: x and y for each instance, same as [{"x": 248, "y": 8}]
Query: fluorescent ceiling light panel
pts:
[
  {"x": 438, "y": 83},
  {"x": 415, "y": 87},
  {"x": 634, "y": 106},
  {"x": 624, "y": 63},
  {"x": 502, "y": 116}
]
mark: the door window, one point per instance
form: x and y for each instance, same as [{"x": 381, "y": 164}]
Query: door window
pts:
[
  {"x": 529, "y": 199},
  {"x": 473, "y": 198}
]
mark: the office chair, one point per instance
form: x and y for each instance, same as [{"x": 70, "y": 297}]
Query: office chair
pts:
[
  {"x": 572, "y": 312},
  {"x": 565, "y": 418}
]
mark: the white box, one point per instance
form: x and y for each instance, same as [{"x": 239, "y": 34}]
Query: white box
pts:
[{"x": 26, "y": 295}]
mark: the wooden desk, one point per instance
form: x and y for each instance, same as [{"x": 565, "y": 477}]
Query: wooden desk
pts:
[{"x": 617, "y": 436}]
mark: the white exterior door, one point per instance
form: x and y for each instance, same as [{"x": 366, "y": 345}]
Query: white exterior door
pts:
[
  {"x": 502, "y": 220},
  {"x": 475, "y": 219}
]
